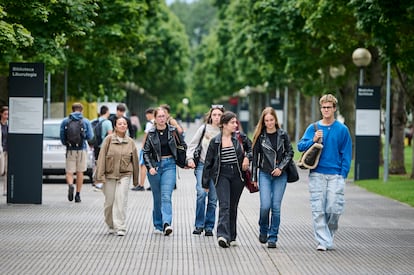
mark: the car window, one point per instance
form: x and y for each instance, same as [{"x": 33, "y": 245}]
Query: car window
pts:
[{"x": 51, "y": 131}]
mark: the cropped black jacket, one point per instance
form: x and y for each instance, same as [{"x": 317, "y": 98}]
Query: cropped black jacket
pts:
[
  {"x": 266, "y": 158},
  {"x": 212, "y": 162},
  {"x": 152, "y": 146}
]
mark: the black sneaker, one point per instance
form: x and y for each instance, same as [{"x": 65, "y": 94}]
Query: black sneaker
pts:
[
  {"x": 167, "y": 229},
  {"x": 149, "y": 188},
  {"x": 138, "y": 188},
  {"x": 271, "y": 245},
  {"x": 209, "y": 233},
  {"x": 71, "y": 189},
  {"x": 262, "y": 238},
  {"x": 77, "y": 198},
  {"x": 222, "y": 242},
  {"x": 198, "y": 231}
]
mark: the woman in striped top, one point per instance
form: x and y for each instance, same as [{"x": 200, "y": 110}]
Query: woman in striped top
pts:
[{"x": 224, "y": 162}]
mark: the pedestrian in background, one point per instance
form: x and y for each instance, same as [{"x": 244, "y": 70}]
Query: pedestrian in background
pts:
[
  {"x": 205, "y": 217},
  {"x": 272, "y": 153},
  {"x": 121, "y": 112},
  {"x": 106, "y": 129},
  {"x": 224, "y": 162},
  {"x": 149, "y": 115},
  {"x": 4, "y": 123},
  {"x": 76, "y": 154},
  {"x": 160, "y": 153},
  {"x": 327, "y": 180},
  {"x": 117, "y": 165}
]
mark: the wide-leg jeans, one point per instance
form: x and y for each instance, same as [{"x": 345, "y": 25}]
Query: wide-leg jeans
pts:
[
  {"x": 327, "y": 202},
  {"x": 229, "y": 189}
]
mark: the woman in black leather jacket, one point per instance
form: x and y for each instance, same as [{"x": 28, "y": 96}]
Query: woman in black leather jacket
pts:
[
  {"x": 160, "y": 152},
  {"x": 223, "y": 164},
  {"x": 272, "y": 152}
]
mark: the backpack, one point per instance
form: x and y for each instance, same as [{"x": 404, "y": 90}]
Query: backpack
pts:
[
  {"x": 75, "y": 133},
  {"x": 97, "y": 133}
]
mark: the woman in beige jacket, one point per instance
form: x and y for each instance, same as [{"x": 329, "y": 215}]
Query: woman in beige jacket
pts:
[{"x": 117, "y": 164}]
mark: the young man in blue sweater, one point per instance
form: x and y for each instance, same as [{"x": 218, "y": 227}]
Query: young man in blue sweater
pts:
[{"x": 327, "y": 180}]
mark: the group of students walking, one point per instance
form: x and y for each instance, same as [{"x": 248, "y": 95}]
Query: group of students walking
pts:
[{"x": 225, "y": 155}]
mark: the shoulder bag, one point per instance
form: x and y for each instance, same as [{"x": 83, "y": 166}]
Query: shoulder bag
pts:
[
  {"x": 310, "y": 158},
  {"x": 180, "y": 160},
  {"x": 247, "y": 175}
]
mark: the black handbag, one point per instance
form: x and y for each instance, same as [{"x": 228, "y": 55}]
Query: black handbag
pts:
[
  {"x": 292, "y": 172},
  {"x": 181, "y": 154},
  {"x": 197, "y": 151}
]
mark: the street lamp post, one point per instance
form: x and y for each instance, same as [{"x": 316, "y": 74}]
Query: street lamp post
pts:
[
  {"x": 367, "y": 121},
  {"x": 187, "y": 115},
  {"x": 361, "y": 58}
]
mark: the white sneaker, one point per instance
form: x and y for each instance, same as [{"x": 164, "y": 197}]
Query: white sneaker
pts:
[
  {"x": 158, "y": 232},
  {"x": 321, "y": 248},
  {"x": 120, "y": 233},
  {"x": 111, "y": 231},
  {"x": 234, "y": 243}
]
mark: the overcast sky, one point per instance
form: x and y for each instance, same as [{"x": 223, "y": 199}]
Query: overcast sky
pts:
[{"x": 171, "y": 1}]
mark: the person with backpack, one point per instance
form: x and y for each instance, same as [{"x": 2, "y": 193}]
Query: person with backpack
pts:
[
  {"x": 75, "y": 130},
  {"x": 102, "y": 127}
]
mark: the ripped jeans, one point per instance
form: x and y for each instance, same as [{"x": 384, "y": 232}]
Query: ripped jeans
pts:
[{"x": 327, "y": 203}]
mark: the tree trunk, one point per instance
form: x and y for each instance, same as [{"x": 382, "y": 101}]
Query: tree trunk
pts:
[
  {"x": 398, "y": 122},
  {"x": 346, "y": 106}
]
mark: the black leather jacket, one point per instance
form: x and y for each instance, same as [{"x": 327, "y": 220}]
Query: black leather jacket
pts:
[
  {"x": 267, "y": 158},
  {"x": 212, "y": 162},
  {"x": 152, "y": 146}
]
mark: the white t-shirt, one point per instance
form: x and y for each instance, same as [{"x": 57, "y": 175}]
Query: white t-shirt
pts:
[{"x": 148, "y": 126}]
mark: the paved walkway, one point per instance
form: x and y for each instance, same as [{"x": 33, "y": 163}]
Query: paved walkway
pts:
[{"x": 376, "y": 236}]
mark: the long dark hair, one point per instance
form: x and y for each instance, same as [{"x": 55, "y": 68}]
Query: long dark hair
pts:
[{"x": 226, "y": 117}]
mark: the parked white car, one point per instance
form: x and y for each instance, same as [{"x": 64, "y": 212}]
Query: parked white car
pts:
[{"x": 54, "y": 151}]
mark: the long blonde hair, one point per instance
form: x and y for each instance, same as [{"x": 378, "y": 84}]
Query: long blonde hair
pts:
[{"x": 261, "y": 125}]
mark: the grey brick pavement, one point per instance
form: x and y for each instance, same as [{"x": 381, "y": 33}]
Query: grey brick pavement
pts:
[{"x": 376, "y": 236}]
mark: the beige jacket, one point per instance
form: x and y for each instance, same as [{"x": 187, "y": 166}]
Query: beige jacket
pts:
[{"x": 118, "y": 158}]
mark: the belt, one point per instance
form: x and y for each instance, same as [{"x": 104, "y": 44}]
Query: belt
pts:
[
  {"x": 230, "y": 165},
  {"x": 166, "y": 157}
]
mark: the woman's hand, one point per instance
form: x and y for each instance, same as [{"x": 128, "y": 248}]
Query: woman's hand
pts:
[
  {"x": 245, "y": 164},
  {"x": 276, "y": 172},
  {"x": 191, "y": 164},
  {"x": 152, "y": 171},
  {"x": 254, "y": 183}
]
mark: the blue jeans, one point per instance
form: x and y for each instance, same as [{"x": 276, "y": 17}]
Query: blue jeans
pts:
[
  {"x": 205, "y": 218},
  {"x": 162, "y": 186},
  {"x": 327, "y": 203},
  {"x": 272, "y": 190}
]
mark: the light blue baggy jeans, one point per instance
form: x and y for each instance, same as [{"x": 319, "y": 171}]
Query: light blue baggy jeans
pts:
[{"x": 327, "y": 203}]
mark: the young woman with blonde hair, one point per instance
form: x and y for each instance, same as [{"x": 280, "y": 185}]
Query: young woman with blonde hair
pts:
[{"x": 272, "y": 152}]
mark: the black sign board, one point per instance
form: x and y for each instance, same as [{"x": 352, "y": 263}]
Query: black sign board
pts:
[
  {"x": 367, "y": 132},
  {"x": 25, "y": 137}
]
